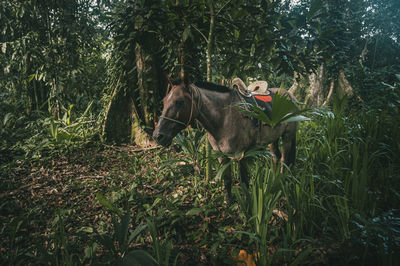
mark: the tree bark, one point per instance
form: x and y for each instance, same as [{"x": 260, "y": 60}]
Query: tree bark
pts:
[{"x": 328, "y": 98}]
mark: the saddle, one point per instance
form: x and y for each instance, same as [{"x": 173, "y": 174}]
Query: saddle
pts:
[{"x": 256, "y": 93}]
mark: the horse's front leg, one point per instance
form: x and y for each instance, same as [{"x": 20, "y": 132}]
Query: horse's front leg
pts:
[
  {"x": 244, "y": 175},
  {"x": 227, "y": 175}
]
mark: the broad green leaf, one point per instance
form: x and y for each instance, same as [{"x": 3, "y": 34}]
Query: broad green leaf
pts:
[
  {"x": 106, "y": 241},
  {"x": 284, "y": 110},
  {"x": 186, "y": 33},
  {"x": 90, "y": 251},
  {"x": 86, "y": 229},
  {"x": 156, "y": 201},
  {"x": 193, "y": 211},
  {"x": 252, "y": 50},
  {"x": 281, "y": 106},
  {"x": 122, "y": 232},
  {"x": 107, "y": 204},
  {"x": 136, "y": 232},
  {"x": 7, "y": 118},
  {"x": 303, "y": 255},
  {"x": 54, "y": 130},
  {"x": 31, "y": 77},
  {"x": 236, "y": 34},
  {"x": 138, "y": 258},
  {"x": 296, "y": 118},
  {"x": 222, "y": 170}
]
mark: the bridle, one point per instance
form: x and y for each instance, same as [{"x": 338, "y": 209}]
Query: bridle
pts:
[{"x": 192, "y": 87}]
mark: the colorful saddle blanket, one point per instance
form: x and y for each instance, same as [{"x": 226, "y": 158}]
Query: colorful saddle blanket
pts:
[
  {"x": 261, "y": 100},
  {"x": 257, "y": 93}
]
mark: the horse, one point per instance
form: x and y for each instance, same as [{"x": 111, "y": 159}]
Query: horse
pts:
[{"x": 230, "y": 130}]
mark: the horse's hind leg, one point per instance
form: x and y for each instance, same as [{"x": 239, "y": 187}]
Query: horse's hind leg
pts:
[
  {"x": 288, "y": 151},
  {"x": 227, "y": 180},
  {"x": 244, "y": 175},
  {"x": 276, "y": 153}
]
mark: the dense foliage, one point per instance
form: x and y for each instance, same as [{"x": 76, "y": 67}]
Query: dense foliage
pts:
[{"x": 74, "y": 72}]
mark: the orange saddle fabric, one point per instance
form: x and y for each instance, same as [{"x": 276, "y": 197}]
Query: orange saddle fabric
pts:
[{"x": 264, "y": 98}]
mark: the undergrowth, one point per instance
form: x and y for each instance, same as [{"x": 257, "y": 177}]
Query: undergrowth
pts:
[{"x": 337, "y": 205}]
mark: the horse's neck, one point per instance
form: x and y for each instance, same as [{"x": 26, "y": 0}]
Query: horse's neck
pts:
[{"x": 213, "y": 108}]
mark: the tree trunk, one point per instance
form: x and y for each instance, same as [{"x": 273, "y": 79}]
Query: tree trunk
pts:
[
  {"x": 317, "y": 89},
  {"x": 117, "y": 123},
  {"x": 313, "y": 90},
  {"x": 151, "y": 87},
  {"x": 210, "y": 47},
  {"x": 344, "y": 87},
  {"x": 135, "y": 103},
  {"x": 328, "y": 98},
  {"x": 298, "y": 87}
]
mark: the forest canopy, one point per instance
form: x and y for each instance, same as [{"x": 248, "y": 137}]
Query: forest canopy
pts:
[{"x": 61, "y": 53}]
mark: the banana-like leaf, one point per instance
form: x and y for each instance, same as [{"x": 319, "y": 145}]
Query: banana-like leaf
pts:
[{"x": 284, "y": 110}]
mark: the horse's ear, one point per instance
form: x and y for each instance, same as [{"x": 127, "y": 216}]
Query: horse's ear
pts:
[
  {"x": 169, "y": 79},
  {"x": 169, "y": 85},
  {"x": 185, "y": 79}
]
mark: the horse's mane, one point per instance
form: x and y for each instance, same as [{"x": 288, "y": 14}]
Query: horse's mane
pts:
[
  {"x": 212, "y": 86},
  {"x": 205, "y": 85}
]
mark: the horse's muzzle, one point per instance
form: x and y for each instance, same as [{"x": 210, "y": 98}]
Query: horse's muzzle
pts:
[{"x": 162, "y": 139}]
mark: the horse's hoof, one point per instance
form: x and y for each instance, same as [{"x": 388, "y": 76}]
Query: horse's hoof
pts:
[{"x": 228, "y": 200}]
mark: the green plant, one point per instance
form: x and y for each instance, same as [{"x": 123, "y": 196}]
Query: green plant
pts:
[
  {"x": 59, "y": 249},
  {"x": 268, "y": 222},
  {"x": 118, "y": 244},
  {"x": 258, "y": 203},
  {"x": 192, "y": 145},
  {"x": 66, "y": 132},
  {"x": 284, "y": 110},
  {"x": 13, "y": 237},
  {"x": 162, "y": 250}
]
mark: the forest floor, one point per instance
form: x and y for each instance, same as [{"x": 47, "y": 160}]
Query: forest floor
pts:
[
  {"x": 190, "y": 214},
  {"x": 33, "y": 193}
]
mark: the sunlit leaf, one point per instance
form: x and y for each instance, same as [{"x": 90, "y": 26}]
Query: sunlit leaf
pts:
[{"x": 193, "y": 211}]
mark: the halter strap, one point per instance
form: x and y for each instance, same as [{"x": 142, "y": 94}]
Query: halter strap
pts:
[
  {"x": 191, "y": 112},
  {"x": 173, "y": 120}
]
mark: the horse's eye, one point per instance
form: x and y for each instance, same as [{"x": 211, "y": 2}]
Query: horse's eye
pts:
[{"x": 179, "y": 103}]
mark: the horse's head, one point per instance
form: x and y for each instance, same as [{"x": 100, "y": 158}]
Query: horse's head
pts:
[{"x": 177, "y": 113}]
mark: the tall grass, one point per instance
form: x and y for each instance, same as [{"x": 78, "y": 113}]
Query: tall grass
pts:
[{"x": 344, "y": 179}]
